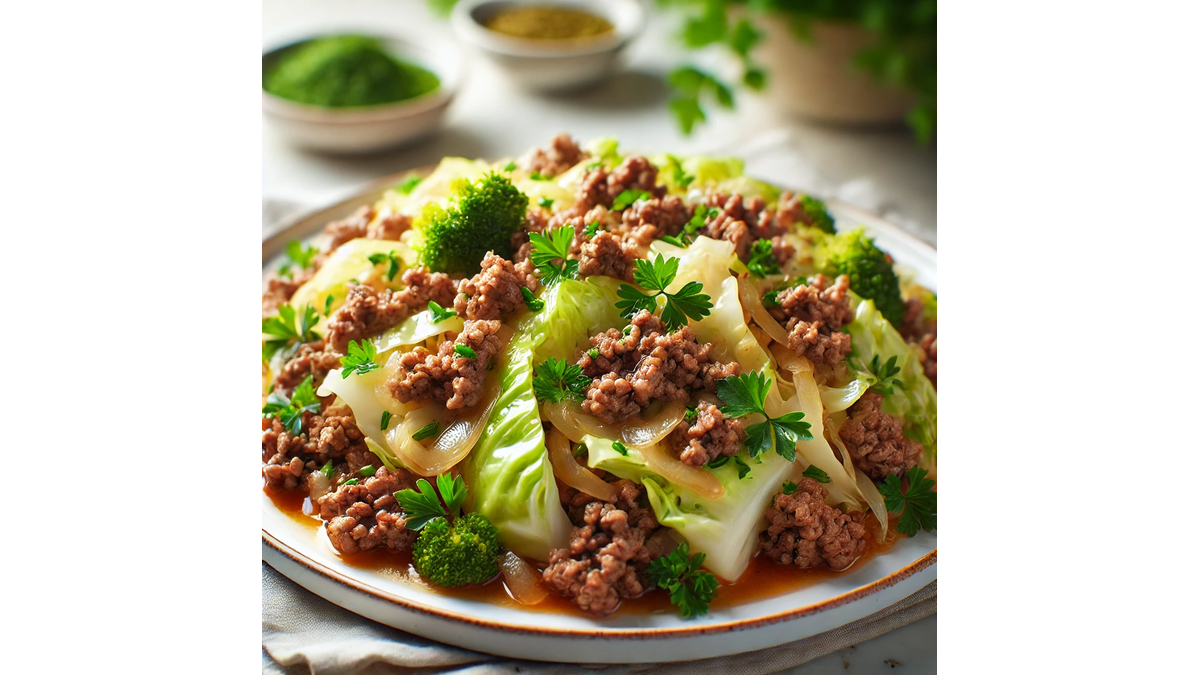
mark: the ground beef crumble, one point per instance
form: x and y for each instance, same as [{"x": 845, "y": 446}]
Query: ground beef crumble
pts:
[
  {"x": 389, "y": 227},
  {"x": 562, "y": 154},
  {"x": 650, "y": 364},
  {"x": 740, "y": 221},
  {"x": 712, "y": 435},
  {"x": 923, "y": 334},
  {"x": 353, "y": 227},
  {"x": 446, "y": 376},
  {"x": 366, "y": 515},
  {"x": 651, "y": 219},
  {"x": 928, "y": 346},
  {"x": 609, "y": 255},
  {"x": 608, "y": 554},
  {"x": 312, "y": 359},
  {"x": 368, "y": 312},
  {"x": 495, "y": 292},
  {"x": 329, "y": 434},
  {"x": 876, "y": 440},
  {"x": 600, "y": 187},
  {"x": 804, "y": 531},
  {"x": 814, "y": 315}
]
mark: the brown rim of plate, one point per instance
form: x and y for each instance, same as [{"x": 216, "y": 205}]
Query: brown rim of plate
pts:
[
  {"x": 273, "y": 245},
  {"x": 637, "y": 633}
]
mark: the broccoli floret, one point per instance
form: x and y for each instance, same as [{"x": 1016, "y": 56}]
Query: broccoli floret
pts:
[
  {"x": 466, "y": 552},
  {"x": 870, "y": 270},
  {"x": 818, "y": 216},
  {"x": 481, "y": 217}
]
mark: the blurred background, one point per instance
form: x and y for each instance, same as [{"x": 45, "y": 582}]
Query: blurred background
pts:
[{"x": 834, "y": 97}]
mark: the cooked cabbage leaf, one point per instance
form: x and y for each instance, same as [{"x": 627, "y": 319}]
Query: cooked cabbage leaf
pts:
[{"x": 349, "y": 261}]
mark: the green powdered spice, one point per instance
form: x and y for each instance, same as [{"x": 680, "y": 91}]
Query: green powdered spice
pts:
[{"x": 345, "y": 71}]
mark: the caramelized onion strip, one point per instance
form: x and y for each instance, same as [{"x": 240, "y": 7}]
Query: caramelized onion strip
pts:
[
  {"x": 697, "y": 479},
  {"x": 523, "y": 582},
  {"x": 572, "y": 473},
  {"x": 640, "y": 433},
  {"x": 751, "y": 300},
  {"x": 575, "y": 424}
]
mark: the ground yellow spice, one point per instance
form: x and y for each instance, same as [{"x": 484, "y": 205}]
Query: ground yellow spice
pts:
[{"x": 548, "y": 23}]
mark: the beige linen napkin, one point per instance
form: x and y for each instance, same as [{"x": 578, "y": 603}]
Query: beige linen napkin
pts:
[{"x": 303, "y": 633}]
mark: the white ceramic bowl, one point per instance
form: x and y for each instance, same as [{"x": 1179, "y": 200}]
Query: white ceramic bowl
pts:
[
  {"x": 548, "y": 65},
  {"x": 371, "y": 128}
]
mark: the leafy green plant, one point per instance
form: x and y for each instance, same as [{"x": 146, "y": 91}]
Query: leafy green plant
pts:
[{"x": 902, "y": 54}]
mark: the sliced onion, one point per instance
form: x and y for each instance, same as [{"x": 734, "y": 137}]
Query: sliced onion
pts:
[
  {"x": 701, "y": 481},
  {"x": 575, "y": 424},
  {"x": 751, "y": 300},
  {"x": 453, "y": 443},
  {"x": 790, "y": 361},
  {"x": 572, "y": 473},
  {"x": 523, "y": 582},
  {"x": 640, "y": 433},
  {"x": 875, "y": 501},
  {"x": 415, "y": 330},
  {"x": 319, "y": 485}
]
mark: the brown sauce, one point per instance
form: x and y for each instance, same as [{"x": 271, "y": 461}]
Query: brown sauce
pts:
[{"x": 763, "y": 578}]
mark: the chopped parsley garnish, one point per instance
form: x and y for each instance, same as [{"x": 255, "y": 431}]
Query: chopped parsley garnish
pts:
[
  {"x": 545, "y": 202},
  {"x": 367, "y": 471},
  {"x": 627, "y": 198},
  {"x": 886, "y": 374},
  {"x": 422, "y": 505},
  {"x": 328, "y": 469},
  {"x": 427, "y": 431},
  {"x": 690, "y": 588},
  {"x": 687, "y": 302},
  {"x": 465, "y": 351},
  {"x": 531, "y": 301},
  {"x": 690, "y": 228},
  {"x": 746, "y": 394},
  {"x": 352, "y": 481},
  {"x": 384, "y": 420},
  {"x": 537, "y": 175},
  {"x": 593, "y": 353},
  {"x": 593, "y": 165},
  {"x": 816, "y": 474},
  {"x": 770, "y": 299},
  {"x": 284, "y": 332},
  {"x": 620, "y": 448},
  {"x": 300, "y": 254},
  {"x": 917, "y": 507},
  {"x": 627, "y": 330},
  {"x": 439, "y": 313},
  {"x": 291, "y": 412},
  {"x": 328, "y": 303},
  {"x": 547, "y": 249},
  {"x": 555, "y": 380},
  {"x": 511, "y": 166},
  {"x": 790, "y": 488},
  {"x": 762, "y": 259},
  {"x": 285, "y": 270},
  {"x": 591, "y": 229},
  {"x": 743, "y": 468},
  {"x": 409, "y": 185},
  {"x": 359, "y": 358},
  {"x": 390, "y": 258},
  {"x": 690, "y": 415}
]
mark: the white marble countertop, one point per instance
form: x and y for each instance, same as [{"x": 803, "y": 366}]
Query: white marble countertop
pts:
[{"x": 884, "y": 170}]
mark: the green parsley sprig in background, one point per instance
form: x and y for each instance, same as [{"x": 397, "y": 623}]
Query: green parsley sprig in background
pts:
[
  {"x": 687, "y": 302},
  {"x": 746, "y": 394},
  {"x": 690, "y": 588}
]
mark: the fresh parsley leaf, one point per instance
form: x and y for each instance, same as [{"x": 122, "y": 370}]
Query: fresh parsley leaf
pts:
[
  {"x": 627, "y": 198},
  {"x": 627, "y": 330},
  {"x": 591, "y": 229},
  {"x": 816, "y": 474},
  {"x": 409, "y": 185},
  {"x": 770, "y": 299},
  {"x": 694, "y": 225},
  {"x": 420, "y": 505},
  {"x": 359, "y": 358},
  {"x": 439, "y": 313},
  {"x": 545, "y": 202},
  {"x": 352, "y": 481},
  {"x": 917, "y": 507},
  {"x": 464, "y": 351},
  {"x": 390, "y": 258},
  {"x": 547, "y": 249},
  {"x": 531, "y": 301},
  {"x": 453, "y": 491},
  {"x": 384, "y": 420},
  {"x": 762, "y": 259},
  {"x": 427, "y": 431},
  {"x": 537, "y": 175},
  {"x": 687, "y": 302},
  {"x": 746, "y": 394},
  {"x": 620, "y": 448},
  {"x": 886, "y": 374},
  {"x": 743, "y": 468},
  {"x": 284, "y": 332},
  {"x": 328, "y": 304},
  {"x": 291, "y": 412},
  {"x": 719, "y": 462},
  {"x": 305, "y": 396},
  {"x": 285, "y": 270},
  {"x": 554, "y": 381},
  {"x": 690, "y": 415},
  {"x": 593, "y": 353},
  {"x": 690, "y": 588},
  {"x": 300, "y": 254},
  {"x": 328, "y": 469},
  {"x": 790, "y": 488},
  {"x": 367, "y": 471},
  {"x": 511, "y": 166}
]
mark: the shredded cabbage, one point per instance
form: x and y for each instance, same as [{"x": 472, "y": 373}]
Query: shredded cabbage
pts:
[{"x": 349, "y": 261}]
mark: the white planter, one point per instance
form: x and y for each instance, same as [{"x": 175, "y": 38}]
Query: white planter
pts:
[{"x": 818, "y": 79}]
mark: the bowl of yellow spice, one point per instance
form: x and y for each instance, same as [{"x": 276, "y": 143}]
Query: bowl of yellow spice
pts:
[
  {"x": 356, "y": 93},
  {"x": 550, "y": 44}
]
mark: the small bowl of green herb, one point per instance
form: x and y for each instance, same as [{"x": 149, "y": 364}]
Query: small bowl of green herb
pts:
[{"x": 353, "y": 93}]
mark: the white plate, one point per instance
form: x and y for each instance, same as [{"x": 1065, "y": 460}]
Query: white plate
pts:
[{"x": 303, "y": 554}]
